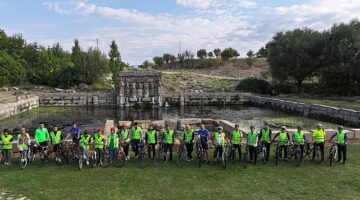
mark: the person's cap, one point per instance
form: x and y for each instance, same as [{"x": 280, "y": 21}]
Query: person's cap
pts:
[
  {"x": 112, "y": 129},
  {"x": 340, "y": 127},
  {"x": 283, "y": 127},
  {"x": 220, "y": 128},
  {"x": 319, "y": 125},
  {"x": 100, "y": 130}
]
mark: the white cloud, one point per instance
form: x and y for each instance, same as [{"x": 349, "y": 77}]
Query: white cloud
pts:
[{"x": 212, "y": 24}]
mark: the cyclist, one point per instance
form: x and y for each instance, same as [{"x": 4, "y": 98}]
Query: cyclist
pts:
[
  {"x": 252, "y": 142},
  {"x": 125, "y": 140},
  {"x": 151, "y": 140},
  {"x": 41, "y": 136},
  {"x": 265, "y": 138},
  {"x": 135, "y": 137},
  {"x": 74, "y": 133},
  {"x": 319, "y": 139},
  {"x": 56, "y": 138},
  {"x": 99, "y": 142},
  {"x": 299, "y": 138},
  {"x": 84, "y": 143},
  {"x": 204, "y": 136},
  {"x": 23, "y": 141},
  {"x": 189, "y": 141},
  {"x": 168, "y": 138},
  {"x": 6, "y": 140},
  {"x": 219, "y": 143},
  {"x": 341, "y": 143},
  {"x": 284, "y": 140},
  {"x": 112, "y": 143},
  {"x": 236, "y": 136}
]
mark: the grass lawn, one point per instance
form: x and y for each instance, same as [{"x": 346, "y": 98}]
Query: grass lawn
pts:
[
  {"x": 285, "y": 181},
  {"x": 355, "y": 105}
]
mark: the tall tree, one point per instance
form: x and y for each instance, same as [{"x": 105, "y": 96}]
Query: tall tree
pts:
[
  {"x": 158, "y": 60},
  {"x": 217, "y": 52},
  {"x": 262, "y": 53},
  {"x": 210, "y": 54},
  {"x": 201, "y": 53},
  {"x": 167, "y": 57},
  {"x": 295, "y": 55},
  {"x": 250, "y": 58},
  {"x": 228, "y": 53},
  {"x": 116, "y": 65}
]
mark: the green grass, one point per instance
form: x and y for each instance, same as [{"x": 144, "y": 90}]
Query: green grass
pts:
[
  {"x": 355, "y": 105},
  {"x": 285, "y": 181}
]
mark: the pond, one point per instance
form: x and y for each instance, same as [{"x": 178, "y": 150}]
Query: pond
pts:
[{"x": 93, "y": 118}]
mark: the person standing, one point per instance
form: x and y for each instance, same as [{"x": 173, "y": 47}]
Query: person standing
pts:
[
  {"x": 265, "y": 138},
  {"x": 341, "y": 143},
  {"x": 74, "y": 133},
  {"x": 189, "y": 141},
  {"x": 151, "y": 141},
  {"x": 219, "y": 143},
  {"x": 6, "y": 139},
  {"x": 168, "y": 138},
  {"x": 99, "y": 140},
  {"x": 112, "y": 143},
  {"x": 299, "y": 138},
  {"x": 56, "y": 137},
  {"x": 284, "y": 140},
  {"x": 252, "y": 142},
  {"x": 204, "y": 136},
  {"x": 236, "y": 140},
  {"x": 135, "y": 137},
  {"x": 319, "y": 139},
  {"x": 41, "y": 136},
  {"x": 125, "y": 140},
  {"x": 85, "y": 140}
]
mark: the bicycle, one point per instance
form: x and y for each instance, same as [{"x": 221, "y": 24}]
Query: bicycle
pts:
[
  {"x": 244, "y": 156},
  {"x": 297, "y": 154},
  {"x": 105, "y": 158},
  {"x": 140, "y": 158},
  {"x": 161, "y": 157},
  {"x": 232, "y": 155},
  {"x": 181, "y": 155},
  {"x": 277, "y": 153},
  {"x": 60, "y": 156},
  {"x": 333, "y": 153},
  {"x": 317, "y": 155},
  {"x": 44, "y": 154},
  {"x": 263, "y": 152},
  {"x": 200, "y": 153},
  {"x": 120, "y": 157},
  {"x": 224, "y": 156},
  {"x": 72, "y": 152},
  {"x": 24, "y": 158}
]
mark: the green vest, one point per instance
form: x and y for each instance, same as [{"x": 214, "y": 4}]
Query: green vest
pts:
[
  {"x": 6, "y": 141},
  {"x": 41, "y": 135},
  {"x": 251, "y": 140},
  {"x": 125, "y": 134},
  {"x": 112, "y": 141},
  {"x": 55, "y": 138},
  {"x": 299, "y": 137},
  {"x": 283, "y": 138},
  {"x": 151, "y": 137},
  {"x": 99, "y": 141},
  {"x": 188, "y": 135},
  {"x": 84, "y": 141},
  {"x": 265, "y": 135},
  {"x": 235, "y": 137},
  {"x": 136, "y": 133},
  {"x": 216, "y": 138},
  {"x": 168, "y": 137},
  {"x": 22, "y": 145},
  {"x": 340, "y": 137},
  {"x": 319, "y": 135}
]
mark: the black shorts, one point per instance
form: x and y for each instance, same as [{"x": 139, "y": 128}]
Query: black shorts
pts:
[{"x": 205, "y": 145}]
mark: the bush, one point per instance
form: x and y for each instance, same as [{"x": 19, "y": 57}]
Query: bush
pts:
[
  {"x": 284, "y": 88},
  {"x": 254, "y": 85}
]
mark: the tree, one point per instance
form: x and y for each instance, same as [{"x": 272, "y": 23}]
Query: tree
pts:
[
  {"x": 210, "y": 54},
  {"x": 228, "y": 53},
  {"x": 295, "y": 55},
  {"x": 167, "y": 57},
  {"x": 262, "y": 53},
  {"x": 159, "y": 61},
  {"x": 217, "y": 52},
  {"x": 12, "y": 72},
  {"x": 146, "y": 64},
  {"x": 181, "y": 58},
  {"x": 116, "y": 65},
  {"x": 172, "y": 60},
  {"x": 201, "y": 54},
  {"x": 250, "y": 58}
]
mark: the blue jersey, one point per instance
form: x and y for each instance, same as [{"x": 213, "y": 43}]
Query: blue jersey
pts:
[
  {"x": 74, "y": 133},
  {"x": 203, "y": 133}
]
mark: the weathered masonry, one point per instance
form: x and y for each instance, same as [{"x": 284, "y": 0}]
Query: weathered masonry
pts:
[
  {"x": 137, "y": 88},
  {"x": 19, "y": 106}
]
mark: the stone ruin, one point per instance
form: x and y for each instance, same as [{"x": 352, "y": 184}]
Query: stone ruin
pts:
[{"x": 136, "y": 88}]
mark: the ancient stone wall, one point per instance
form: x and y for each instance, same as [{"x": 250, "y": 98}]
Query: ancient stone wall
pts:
[
  {"x": 77, "y": 99},
  {"x": 137, "y": 88},
  {"x": 21, "y": 105},
  {"x": 321, "y": 112}
]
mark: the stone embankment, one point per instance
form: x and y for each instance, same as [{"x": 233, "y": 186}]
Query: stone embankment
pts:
[
  {"x": 317, "y": 111},
  {"x": 77, "y": 99},
  {"x": 21, "y": 104}
]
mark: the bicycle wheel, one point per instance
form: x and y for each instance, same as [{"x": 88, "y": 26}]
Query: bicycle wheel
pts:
[
  {"x": 120, "y": 159},
  {"x": 93, "y": 158},
  {"x": 160, "y": 159},
  {"x": 60, "y": 158},
  {"x": 232, "y": 157},
  {"x": 244, "y": 159},
  {"x": 318, "y": 156},
  {"x": 23, "y": 160},
  {"x": 264, "y": 156},
  {"x": 201, "y": 158},
  {"x": 297, "y": 157},
  {"x": 277, "y": 154},
  {"x": 223, "y": 160},
  {"x": 42, "y": 157},
  {"x": 105, "y": 160},
  {"x": 80, "y": 165},
  {"x": 31, "y": 156}
]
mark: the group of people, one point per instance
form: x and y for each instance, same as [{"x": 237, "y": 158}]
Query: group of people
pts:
[{"x": 134, "y": 136}]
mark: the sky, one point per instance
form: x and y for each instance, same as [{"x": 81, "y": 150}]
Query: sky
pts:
[{"x": 147, "y": 28}]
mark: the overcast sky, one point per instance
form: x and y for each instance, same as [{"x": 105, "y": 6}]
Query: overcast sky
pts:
[{"x": 146, "y": 28}]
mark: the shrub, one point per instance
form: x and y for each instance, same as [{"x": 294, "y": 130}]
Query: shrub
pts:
[
  {"x": 254, "y": 85},
  {"x": 284, "y": 88}
]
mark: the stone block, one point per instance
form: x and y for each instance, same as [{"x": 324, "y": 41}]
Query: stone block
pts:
[
  {"x": 158, "y": 123},
  {"x": 125, "y": 123},
  {"x": 190, "y": 121},
  {"x": 108, "y": 125},
  {"x": 143, "y": 123},
  {"x": 356, "y": 133}
]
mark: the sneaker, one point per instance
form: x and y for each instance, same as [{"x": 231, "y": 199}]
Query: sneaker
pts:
[
  {"x": 87, "y": 163},
  {"x": 128, "y": 157}
]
